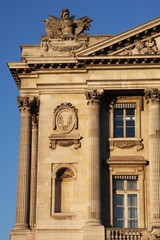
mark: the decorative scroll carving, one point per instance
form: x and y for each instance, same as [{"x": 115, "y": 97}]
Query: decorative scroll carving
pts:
[
  {"x": 152, "y": 94},
  {"x": 94, "y": 96},
  {"x": 155, "y": 233},
  {"x": 65, "y": 118},
  {"x": 65, "y": 140},
  {"x": 66, "y": 27},
  {"x": 123, "y": 144}
]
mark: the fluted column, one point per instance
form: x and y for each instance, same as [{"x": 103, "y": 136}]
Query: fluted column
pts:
[
  {"x": 34, "y": 147},
  {"x": 94, "y": 99},
  {"x": 22, "y": 206},
  {"x": 153, "y": 99}
]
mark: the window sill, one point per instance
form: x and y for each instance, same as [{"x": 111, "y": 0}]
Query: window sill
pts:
[
  {"x": 63, "y": 215},
  {"x": 125, "y": 143}
]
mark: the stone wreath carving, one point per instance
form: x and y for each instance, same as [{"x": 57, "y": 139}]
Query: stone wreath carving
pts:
[{"x": 65, "y": 120}]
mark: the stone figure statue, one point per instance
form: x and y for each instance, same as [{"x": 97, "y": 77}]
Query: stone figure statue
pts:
[{"x": 66, "y": 25}]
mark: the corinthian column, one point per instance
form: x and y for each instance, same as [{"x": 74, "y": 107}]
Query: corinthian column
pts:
[
  {"x": 23, "y": 194},
  {"x": 94, "y": 99},
  {"x": 153, "y": 99}
]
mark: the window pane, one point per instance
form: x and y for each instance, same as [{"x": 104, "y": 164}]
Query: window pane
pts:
[
  {"x": 132, "y": 224},
  {"x": 118, "y": 132},
  {"x": 132, "y": 212},
  {"x": 118, "y": 184},
  {"x": 130, "y": 122},
  {"x": 118, "y": 123},
  {"x": 119, "y": 200},
  {"x": 132, "y": 199},
  {"x": 132, "y": 185},
  {"x": 118, "y": 212},
  {"x": 130, "y": 112},
  {"x": 130, "y": 131},
  {"x": 119, "y": 223}
]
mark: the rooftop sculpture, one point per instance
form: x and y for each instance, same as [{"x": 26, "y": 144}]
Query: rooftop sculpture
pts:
[{"x": 66, "y": 26}]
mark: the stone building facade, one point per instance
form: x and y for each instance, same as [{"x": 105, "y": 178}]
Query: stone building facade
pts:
[{"x": 89, "y": 155}]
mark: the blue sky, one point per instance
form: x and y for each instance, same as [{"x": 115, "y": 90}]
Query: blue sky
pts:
[{"x": 21, "y": 23}]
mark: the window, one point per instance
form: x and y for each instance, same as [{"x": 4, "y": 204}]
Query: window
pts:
[
  {"x": 125, "y": 201},
  {"x": 124, "y": 120}
]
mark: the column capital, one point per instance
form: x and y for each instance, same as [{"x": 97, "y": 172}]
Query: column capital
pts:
[
  {"x": 28, "y": 104},
  {"x": 94, "y": 96},
  {"x": 35, "y": 121},
  {"x": 152, "y": 95}
]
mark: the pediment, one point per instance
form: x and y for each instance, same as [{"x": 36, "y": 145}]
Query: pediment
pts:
[{"x": 141, "y": 40}]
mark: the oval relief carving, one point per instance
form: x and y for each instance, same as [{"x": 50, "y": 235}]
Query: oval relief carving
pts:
[{"x": 65, "y": 120}]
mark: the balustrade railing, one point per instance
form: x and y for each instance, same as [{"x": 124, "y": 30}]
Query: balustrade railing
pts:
[{"x": 123, "y": 234}]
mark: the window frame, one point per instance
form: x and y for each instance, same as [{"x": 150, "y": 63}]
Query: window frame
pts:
[
  {"x": 125, "y": 193},
  {"x": 124, "y": 126},
  {"x": 126, "y": 142},
  {"x": 130, "y": 166}
]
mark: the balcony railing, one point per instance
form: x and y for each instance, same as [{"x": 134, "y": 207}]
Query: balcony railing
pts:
[{"x": 123, "y": 234}]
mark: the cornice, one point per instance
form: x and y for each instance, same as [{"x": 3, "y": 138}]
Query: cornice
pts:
[
  {"x": 120, "y": 60},
  {"x": 22, "y": 70}
]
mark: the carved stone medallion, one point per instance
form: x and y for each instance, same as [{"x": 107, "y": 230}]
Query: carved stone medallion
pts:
[{"x": 65, "y": 118}]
